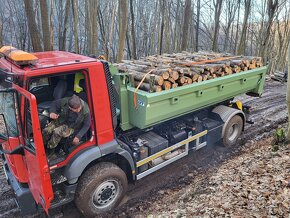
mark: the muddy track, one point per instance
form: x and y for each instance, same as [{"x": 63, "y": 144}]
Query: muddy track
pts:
[{"x": 269, "y": 112}]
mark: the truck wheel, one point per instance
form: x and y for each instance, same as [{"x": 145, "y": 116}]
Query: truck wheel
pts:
[
  {"x": 101, "y": 188},
  {"x": 233, "y": 131}
]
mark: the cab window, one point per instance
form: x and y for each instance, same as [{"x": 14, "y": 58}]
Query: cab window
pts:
[
  {"x": 38, "y": 83},
  {"x": 9, "y": 112}
]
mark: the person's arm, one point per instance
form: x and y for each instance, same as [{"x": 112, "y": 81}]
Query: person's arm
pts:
[
  {"x": 86, "y": 126},
  {"x": 55, "y": 109},
  {"x": 55, "y": 106}
]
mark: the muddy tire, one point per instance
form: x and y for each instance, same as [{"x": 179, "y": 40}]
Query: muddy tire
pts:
[
  {"x": 101, "y": 188},
  {"x": 233, "y": 131}
]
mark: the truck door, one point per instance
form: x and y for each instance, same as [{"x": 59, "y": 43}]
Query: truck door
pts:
[{"x": 39, "y": 180}]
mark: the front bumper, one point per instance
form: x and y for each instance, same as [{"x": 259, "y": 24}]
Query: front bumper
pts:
[{"x": 23, "y": 195}]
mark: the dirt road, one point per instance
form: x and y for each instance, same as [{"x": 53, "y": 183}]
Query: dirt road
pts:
[{"x": 269, "y": 112}]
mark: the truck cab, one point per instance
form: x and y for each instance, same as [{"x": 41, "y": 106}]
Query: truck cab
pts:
[{"x": 29, "y": 83}]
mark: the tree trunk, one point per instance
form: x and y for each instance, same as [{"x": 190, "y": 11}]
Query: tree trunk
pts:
[
  {"x": 167, "y": 39},
  {"x": 162, "y": 8},
  {"x": 176, "y": 26},
  {"x": 128, "y": 45},
  {"x": 123, "y": 17},
  {"x": 288, "y": 95},
  {"x": 242, "y": 43},
  {"x": 237, "y": 27},
  {"x": 1, "y": 34},
  {"x": 32, "y": 26},
  {"x": 133, "y": 35},
  {"x": 51, "y": 20},
  {"x": 62, "y": 41},
  {"x": 272, "y": 6},
  {"x": 197, "y": 25},
  {"x": 111, "y": 30},
  {"x": 92, "y": 27},
  {"x": 76, "y": 25},
  {"x": 217, "y": 13},
  {"x": 231, "y": 7},
  {"x": 45, "y": 25},
  {"x": 186, "y": 21}
]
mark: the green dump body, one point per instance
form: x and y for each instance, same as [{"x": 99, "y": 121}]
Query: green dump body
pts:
[{"x": 155, "y": 108}]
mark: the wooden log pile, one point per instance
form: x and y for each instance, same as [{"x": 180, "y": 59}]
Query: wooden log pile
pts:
[{"x": 167, "y": 71}]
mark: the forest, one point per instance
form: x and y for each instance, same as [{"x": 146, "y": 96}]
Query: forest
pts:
[{"x": 131, "y": 29}]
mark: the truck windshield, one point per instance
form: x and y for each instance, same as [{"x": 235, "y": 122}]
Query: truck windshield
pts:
[{"x": 7, "y": 108}]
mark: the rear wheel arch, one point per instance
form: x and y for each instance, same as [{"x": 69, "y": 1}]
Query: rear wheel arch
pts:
[
  {"x": 227, "y": 113},
  {"x": 234, "y": 123}
]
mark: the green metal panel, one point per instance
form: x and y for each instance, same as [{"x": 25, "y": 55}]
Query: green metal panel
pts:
[{"x": 154, "y": 108}]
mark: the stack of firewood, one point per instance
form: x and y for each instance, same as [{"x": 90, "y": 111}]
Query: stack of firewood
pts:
[{"x": 167, "y": 71}]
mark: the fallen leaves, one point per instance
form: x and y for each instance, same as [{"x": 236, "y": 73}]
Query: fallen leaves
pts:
[{"x": 255, "y": 184}]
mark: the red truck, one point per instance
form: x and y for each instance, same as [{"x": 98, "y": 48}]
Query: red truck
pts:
[{"x": 121, "y": 145}]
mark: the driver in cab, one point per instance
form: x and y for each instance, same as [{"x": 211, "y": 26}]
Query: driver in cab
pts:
[{"x": 70, "y": 117}]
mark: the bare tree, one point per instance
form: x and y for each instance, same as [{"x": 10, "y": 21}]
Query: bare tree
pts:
[
  {"x": 133, "y": 35},
  {"x": 231, "y": 7},
  {"x": 242, "y": 43},
  {"x": 272, "y": 6},
  {"x": 198, "y": 8},
  {"x": 33, "y": 30},
  {"x": 62, "y": 34},
  {"x": 186, "y": 22},
  {"x": 161, "y": 33},
  {"x": 45, "y": 25},
  {"x": 217, "y": 13},
  {"x": 92, "y": 7},
  {"x": 288, "y": 95},
  {"x": 76, "y": 25},
  {"x": 123, "y": 17},
  {"x": 51, "y": 20},
  {"x": 111, "y": 30}
]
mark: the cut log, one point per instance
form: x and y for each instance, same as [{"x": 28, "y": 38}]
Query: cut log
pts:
[
  {"x": 188, "y": 80},
  {"x": 195, "y": 77},
  {"x": 139, "y": 76},
  {"x": 204, "y": 77},
  {"x": 220, "y": 74},
  {"x": 252, "y": 66},
  {"x": 190, "y": 74},
  {"x": 199, "y": 79},
  {"x": 174, "y": 75},
  {"x": 236, "y": 69},
  {"x": 172, "y": 70},
  {"x": 170, "y": 79},
  {"x": 144, "y": 63},
  {"x": 161, "y": 72},
  {"x": 211, "y": 69},
  {"x": 197, "y": 70},
  {"x": 181, "y": 80},
  {"x": 146, "y": 87},
  {"x": 174, "y": 85},
  {"x": 228, "y": 71},
  {"x": 166, "y": 85},
  {"x": 178, "y": 69},
  {"x": 126, "y": 68}
]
